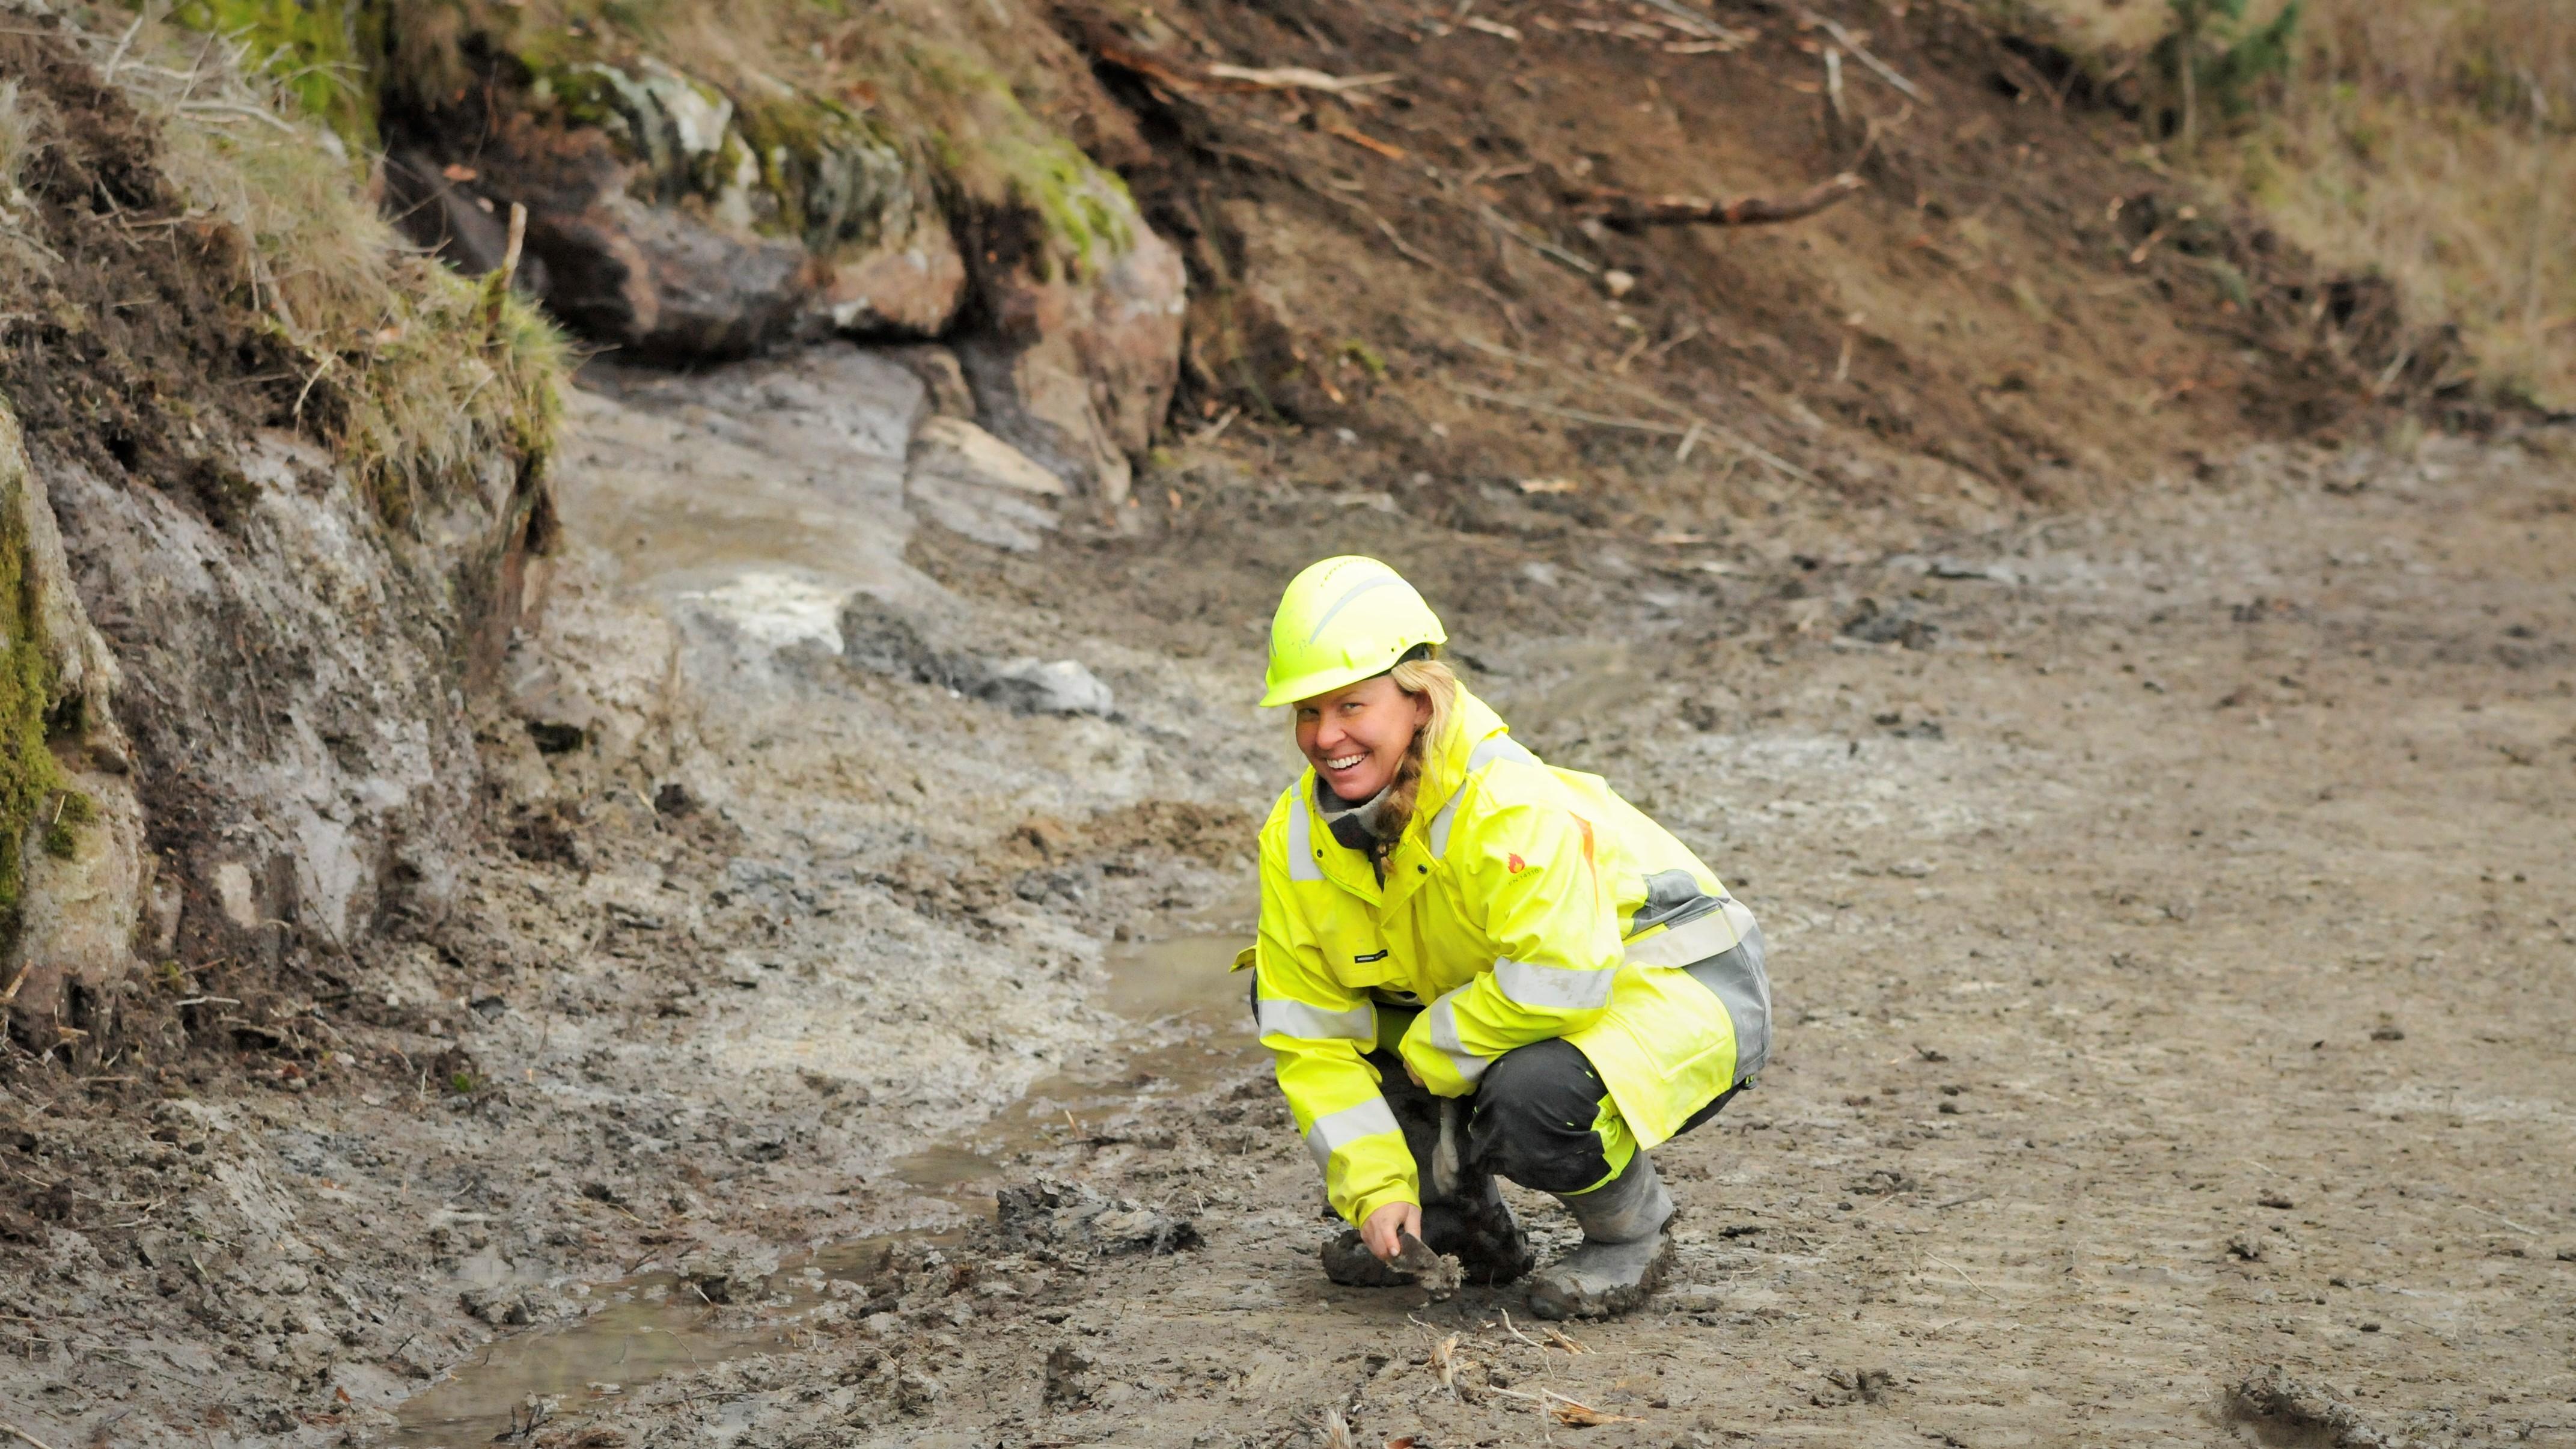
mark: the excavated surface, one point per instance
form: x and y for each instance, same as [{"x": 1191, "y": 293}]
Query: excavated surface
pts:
[{"x": 2167, "y": 960}]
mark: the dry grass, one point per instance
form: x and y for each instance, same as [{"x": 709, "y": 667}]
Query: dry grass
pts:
[
  {"x": 423, "y": 374},
  {"x": 2431, "y": 140}
]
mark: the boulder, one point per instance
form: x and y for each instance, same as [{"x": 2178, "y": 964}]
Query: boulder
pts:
[
  {"x": 1082, "y": 349},
  {"x": 968, "y": 481},
  {"x": 1026, "y": 686},
  {"x": 680, "y": 222}
]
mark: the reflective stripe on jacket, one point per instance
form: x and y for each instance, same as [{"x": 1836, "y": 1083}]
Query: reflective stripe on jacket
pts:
[{"x": 1523, "y": 902}]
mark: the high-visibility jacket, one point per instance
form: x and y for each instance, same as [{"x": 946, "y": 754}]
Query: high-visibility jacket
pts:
[{"x": 1523, "y": 902}]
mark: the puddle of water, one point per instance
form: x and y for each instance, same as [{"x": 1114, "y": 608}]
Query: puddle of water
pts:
[{"x": 1193, "y": 1029}]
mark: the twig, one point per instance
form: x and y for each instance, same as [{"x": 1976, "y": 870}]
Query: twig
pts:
[
  {"x": 1629, "y": 211},
  {"x": 1706, "y": 28},
  {"x": 1362, "y": 139},
  {"x": 107, "y": 76},
  {"x": 1963, "y": 1275},
  {"x": 518, "y": 239},
  {"x": 1861, "y": 53},
  {"x": 229, "y": 108},
  {"x": 1298, "y": 77},
  {"x": 1539, "y": 244},
  {"x": 13, "y": 1429},
  {"x": 16, "y": 981}
]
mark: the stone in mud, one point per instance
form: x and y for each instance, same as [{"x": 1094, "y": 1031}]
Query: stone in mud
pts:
[
  {"x": 1078, "y": 370},
  {"x": 510, "y": 1306},
  {"x": 1069, "y": 1378},
  {"x": 728, "y": 1275},
  {"x": 664, "y": 286},
  {"x": 882, "y": 639},
  {"x": 956, "y": 451},
  {"x": 917, "y": 1391},
  {"x": 1050, "y": 1212},
  {"x": 908, "y": 292},
  {"x": 681, "y": 222},
  {"x": 1872, "y": 624},
  {"x": 1061, "y": 687},
  {"x": 971, "y": 483},
  {"x": 2283, "y": 1410}
]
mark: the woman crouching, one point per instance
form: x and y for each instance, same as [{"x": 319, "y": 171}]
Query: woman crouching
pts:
[{"x": 1471, "y": 963}]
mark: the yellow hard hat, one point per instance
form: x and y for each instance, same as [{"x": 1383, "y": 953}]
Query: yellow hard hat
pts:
[{"x": 1341, "y": 621}]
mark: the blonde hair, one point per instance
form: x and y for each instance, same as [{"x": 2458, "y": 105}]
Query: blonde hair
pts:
[{"x": 1430, "y": 679}]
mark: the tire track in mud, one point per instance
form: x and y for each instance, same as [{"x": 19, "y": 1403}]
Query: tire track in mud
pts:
[{"x": 2171, "y": 992}]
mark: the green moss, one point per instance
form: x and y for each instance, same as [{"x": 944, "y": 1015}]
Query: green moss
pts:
[
  {"x": 28, "y": 773},
  {"x": 1002, "y": 155},
  {"x": 312, "y": 49},
  {"x": 838, "y": 177}
]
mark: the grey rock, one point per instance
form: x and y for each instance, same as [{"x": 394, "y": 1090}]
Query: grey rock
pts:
[
  {"x": 1899, "y": 624},
  {"x": 728, "y": 1275},
  {"x": 1060, "y": 687},
  {"x": 1069, "y": 1378}
]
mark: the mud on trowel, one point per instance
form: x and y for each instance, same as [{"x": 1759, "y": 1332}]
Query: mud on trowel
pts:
[{"x": 1438, "y": 1274}]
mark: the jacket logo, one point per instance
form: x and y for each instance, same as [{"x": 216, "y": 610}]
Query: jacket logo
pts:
[
  {"x": 1518, "y": 865},
  {"x": 1372, "y": 956}
]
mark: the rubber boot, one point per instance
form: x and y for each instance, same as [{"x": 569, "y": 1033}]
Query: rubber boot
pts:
[{"x": 1624, "y": 1252}]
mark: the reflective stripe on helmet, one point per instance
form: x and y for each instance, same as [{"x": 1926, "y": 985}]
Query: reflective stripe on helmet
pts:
[{"x": 1383, "y": 581}]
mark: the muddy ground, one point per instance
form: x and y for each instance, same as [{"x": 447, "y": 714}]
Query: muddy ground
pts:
[
  {"x": 2173, "y": 951},
  {"x": 2173, "y": 914}
]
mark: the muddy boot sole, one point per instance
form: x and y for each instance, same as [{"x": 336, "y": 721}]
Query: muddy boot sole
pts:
[
  {"x": 1488, "y": 1244},
  {"x": 1352, "y": 1265},
  {"x": 1601, "y": 1280}
]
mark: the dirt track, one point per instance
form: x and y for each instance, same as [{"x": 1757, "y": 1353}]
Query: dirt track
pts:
[{"x": 2173, "y": 959}]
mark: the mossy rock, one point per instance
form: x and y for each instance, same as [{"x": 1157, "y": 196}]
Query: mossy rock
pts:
[
  {"x": 29, "y": 775},
  {"x": 839, "y": 178}
]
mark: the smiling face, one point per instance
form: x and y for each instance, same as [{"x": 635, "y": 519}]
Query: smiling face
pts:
[{"x": 1356, "y": 736}]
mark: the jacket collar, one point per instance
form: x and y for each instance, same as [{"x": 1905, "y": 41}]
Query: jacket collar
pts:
[{"x": 1471, "y": 722}]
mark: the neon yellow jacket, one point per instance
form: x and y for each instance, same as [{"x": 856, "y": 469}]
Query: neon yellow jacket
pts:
[{"x": 1524, "y": 902}]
